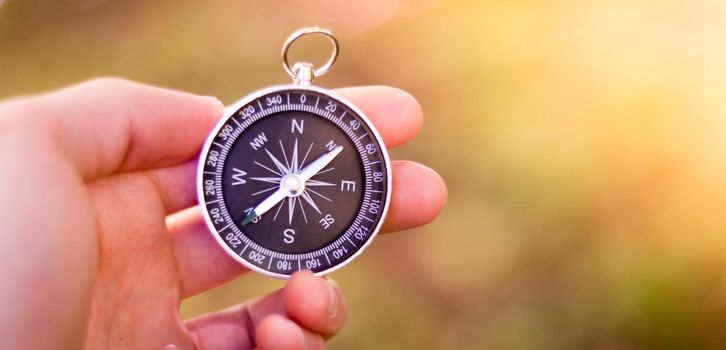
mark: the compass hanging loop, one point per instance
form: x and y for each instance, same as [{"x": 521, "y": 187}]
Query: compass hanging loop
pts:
[{"x": 303, "y": 73}]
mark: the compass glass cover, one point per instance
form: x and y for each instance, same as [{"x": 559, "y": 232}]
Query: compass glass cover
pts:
[{"x": 315, "y": 167}]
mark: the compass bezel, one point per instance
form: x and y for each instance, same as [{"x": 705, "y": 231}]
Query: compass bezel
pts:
[{"x": 230, "y": 111}]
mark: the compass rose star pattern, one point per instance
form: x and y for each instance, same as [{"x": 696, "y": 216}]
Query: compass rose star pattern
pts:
[{"x": 283, "y": 166}]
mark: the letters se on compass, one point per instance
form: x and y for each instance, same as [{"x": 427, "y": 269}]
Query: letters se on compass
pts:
[{"x": 294, "y": 179}]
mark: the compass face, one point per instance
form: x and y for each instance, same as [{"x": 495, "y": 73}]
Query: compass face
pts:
[{"x": 294, "y": 179}]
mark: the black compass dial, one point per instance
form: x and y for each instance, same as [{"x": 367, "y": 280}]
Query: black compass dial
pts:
[
  {"x": 286, "y": 152},
  {"x": 294, "y": 179}
]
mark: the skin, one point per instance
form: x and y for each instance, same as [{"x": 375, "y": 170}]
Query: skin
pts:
[{"x": 101, "y": 239}]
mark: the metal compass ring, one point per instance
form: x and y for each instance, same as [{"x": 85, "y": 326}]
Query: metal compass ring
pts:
[{"x": 299, "y": 34}]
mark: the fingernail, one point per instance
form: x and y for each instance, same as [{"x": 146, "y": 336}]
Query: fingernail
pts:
[
  {"x": 213, "y": 100},
  {"x": 209, "y": 97},
  {"x": 333, "y": 295}
]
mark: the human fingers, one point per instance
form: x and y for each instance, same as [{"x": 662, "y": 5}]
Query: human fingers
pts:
[
  {"x": 319, "y": 307},
  {"x": 270, "y": 322},
  {"x": 418, "y": 196},
  {"x": 113, "y": 125},
  {"x": 278, "y": 333},
  {"x": 202, "y": 262},
  {"x": 395, "y": 113}
]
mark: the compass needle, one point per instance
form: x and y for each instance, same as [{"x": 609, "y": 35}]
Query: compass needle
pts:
[
  {"x": 315, "y": 166},
  {"x": 265, "y": 205}
]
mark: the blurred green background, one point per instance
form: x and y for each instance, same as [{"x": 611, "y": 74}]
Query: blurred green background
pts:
[{"x": 583, "y": 142}]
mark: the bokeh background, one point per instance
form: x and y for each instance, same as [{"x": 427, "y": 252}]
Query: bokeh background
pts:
[{"x": 583, "y": 142}]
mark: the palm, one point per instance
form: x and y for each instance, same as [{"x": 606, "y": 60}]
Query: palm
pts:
[{"x": 137, "y": 275}]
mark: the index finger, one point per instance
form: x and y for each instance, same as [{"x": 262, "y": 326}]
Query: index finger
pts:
[
  {"x": 111, "y": 125},
  {"x": 395, "y": 113}
]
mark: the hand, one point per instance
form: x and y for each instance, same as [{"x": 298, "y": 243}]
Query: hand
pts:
[{"x": 98, "y": 248}]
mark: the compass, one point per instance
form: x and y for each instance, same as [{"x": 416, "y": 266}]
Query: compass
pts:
[{"x": 293, "y": 176}]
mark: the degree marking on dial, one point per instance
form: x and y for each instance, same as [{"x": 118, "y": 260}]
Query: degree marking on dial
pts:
[
  {"x": 214, "y": 201},
  {"x": 243, "y": 249},
  {"x": 317, "y": 101},
  {"x": 327, "y": 258},
  {"x": 303, "y": 107},
  {"x": 351, "y": 242},
  {"x": 361, "y": 153},
  {"x": 235, "y": 121},
  {"x": 211, "y": 173},
  {"x": 226, "y": 227},
  {"x": 361, "y": 136},
  {"x": 260, "y": 104},
  {"x": 270, "y": 263},
  {"x": 365, "y": 217},
  {"x": 331, "y": 246}
]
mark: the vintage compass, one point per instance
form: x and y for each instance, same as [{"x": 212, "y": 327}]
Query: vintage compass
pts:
[{"x": 294, "y": 177}]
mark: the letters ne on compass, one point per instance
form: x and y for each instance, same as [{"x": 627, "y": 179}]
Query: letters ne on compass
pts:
[{"x": 292, "y": 180}]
